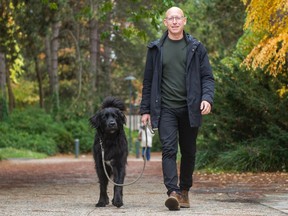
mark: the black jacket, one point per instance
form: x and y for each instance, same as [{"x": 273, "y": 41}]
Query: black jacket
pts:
[{"x": 199, "y": 80}]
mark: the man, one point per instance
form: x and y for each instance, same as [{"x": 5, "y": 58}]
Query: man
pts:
[{"x": 178, "y": 88}]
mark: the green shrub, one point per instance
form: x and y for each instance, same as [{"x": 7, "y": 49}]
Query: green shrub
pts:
[
  {"x": 156, "y": 144},
  {"x": 62, "y": 138},
  {"x": 32, "y": 120},
  {"x": 23, "y": 140},
  {"x": 248, "y": 127},
  {"x": 267, "y": 153},
  {"x": 28, "y": 129},
  {"x": 204, "y": 158},
  {"x": 80, "y": 129}
]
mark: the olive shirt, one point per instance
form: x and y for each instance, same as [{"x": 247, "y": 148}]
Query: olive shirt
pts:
[{"x": 173, "y": 87}]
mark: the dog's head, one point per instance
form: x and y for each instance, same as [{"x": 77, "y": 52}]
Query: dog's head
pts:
[{"x": 110, "y": 118}]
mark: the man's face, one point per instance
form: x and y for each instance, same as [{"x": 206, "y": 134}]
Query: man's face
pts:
[{"x": 175, "y": 21}]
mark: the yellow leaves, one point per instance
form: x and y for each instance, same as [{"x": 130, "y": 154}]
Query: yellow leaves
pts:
[
  {"x": 282, "y": 91},
  {"x": 270, "y": 18},
  {"x": 270, "y": 52}
]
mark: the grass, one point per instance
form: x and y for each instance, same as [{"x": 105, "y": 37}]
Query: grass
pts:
[{"x": 6, "y": 153}]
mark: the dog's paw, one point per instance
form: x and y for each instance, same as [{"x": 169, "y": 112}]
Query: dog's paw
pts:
[
  {"x": 100, "y": 204},
  {"x": 117, "y": 203}
]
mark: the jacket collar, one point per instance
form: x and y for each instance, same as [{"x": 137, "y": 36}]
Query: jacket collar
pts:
[{"x": 188, "y": 38}]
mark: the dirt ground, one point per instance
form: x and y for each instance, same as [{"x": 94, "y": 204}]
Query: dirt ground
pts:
[{"x": 64, "y": 185}]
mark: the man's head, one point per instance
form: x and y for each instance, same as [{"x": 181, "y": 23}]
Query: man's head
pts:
[{"x": 175, "y": 21}]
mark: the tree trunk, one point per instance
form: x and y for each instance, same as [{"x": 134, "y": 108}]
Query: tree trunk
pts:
[
  {"x": 2, "y": 76},
  {"x": 93, "y": 60},
  {"x": 48, "y": 63},
  {"x": 3, "y": 104},
  {"x": 40, "y": 83},
  {"x": 54, "y": 62},
  {"x": 11, "y": 96},
  {"x": 107, "y": 70}
]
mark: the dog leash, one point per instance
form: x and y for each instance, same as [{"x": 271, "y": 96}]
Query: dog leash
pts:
[{"x": 108, "y": 162}]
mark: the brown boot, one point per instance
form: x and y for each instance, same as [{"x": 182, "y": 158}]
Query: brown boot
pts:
[
  {"x": 184, "y": 199},
  {"x": 172, "y": 203}
]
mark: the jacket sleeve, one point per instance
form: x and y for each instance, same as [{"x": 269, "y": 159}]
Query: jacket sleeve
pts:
[
  {"x": 207, "y": 78},
  {"x": 147, "y": 83}
]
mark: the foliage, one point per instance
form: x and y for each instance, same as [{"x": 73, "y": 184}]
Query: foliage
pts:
[
  {"x": 23, "y": 140},
  {"x": 249, "y": 125},
  {"x": 270, "y": 19},
  {"x": 216, "y": 23},
  {"x": 6, "y": 153},
  {"x": 263, "y": 153},
  {"x": 81, "y": 130},
  {"x": 25, "y": 93},
  {"x": 8, "y": 41},
  {"x": 3, "y": 109},
  {"x": 35, "y": 130},
  {"x": 156, "y": 144}
]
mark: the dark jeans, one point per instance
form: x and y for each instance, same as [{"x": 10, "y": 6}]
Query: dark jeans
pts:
[
  {"x": 147, "y": 153},
  {"x": 174, "y": 128}
]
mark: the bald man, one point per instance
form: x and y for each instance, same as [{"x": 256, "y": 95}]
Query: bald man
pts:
[{"x": 178, "y": 88}]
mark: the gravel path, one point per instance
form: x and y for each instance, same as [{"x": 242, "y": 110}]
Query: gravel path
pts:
[{"x": 68, "y": 186}]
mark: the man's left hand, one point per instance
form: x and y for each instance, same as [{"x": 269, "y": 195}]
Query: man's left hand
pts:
[{"x": 205, "y": 107}]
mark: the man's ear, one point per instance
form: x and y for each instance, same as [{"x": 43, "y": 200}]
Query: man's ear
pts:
[{"x": 165, "y": 22}]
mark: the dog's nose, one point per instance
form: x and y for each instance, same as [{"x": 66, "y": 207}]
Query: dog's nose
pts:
[{"x": 112, "y": 123}]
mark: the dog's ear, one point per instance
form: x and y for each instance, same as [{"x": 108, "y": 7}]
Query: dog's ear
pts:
[
  {"x": 94, "y": 121},
  {"x": 122, "y": 117}
]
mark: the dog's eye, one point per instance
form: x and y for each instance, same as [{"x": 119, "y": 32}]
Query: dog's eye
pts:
[{"x": 109, "y": 115}]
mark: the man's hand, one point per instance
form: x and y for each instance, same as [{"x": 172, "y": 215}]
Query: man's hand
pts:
[
  {"x": 205, "y": 107},
  {"x": 145, "y": 119}
]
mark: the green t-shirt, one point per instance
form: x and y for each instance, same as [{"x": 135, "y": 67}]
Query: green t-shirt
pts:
[{"x": 173, "y": 86}]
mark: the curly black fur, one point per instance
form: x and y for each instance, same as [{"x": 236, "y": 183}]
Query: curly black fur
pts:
[{"x": 109, "y": 124}]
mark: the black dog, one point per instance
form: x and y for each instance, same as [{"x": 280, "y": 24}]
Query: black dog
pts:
[{"x": 108, "y": 122}]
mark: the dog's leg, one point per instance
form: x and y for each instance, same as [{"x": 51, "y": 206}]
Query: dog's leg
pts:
[
  {"x": 118, "y": 196},
  {"x": 119, "y": 175},
  {"x": 103, "y": 180}
]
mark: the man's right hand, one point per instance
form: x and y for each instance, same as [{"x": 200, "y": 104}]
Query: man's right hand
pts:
[{"x": 145, "y": 119}]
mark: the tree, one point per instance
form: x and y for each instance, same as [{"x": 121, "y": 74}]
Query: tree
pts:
[
  {"x": 216, "y": 23},
  {"x": 268, "y": 19},
  {"x": 9, "y": 46}
]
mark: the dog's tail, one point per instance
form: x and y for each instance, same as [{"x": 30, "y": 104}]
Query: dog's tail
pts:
[{"x": 111, "y": 101}]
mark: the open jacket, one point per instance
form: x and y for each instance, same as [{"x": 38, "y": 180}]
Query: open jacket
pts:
[{"x": 199, "y": 80}]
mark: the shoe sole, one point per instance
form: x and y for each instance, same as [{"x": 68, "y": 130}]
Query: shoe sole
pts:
[
  {"x": 172, "y": 204},
  {"x": 184, "y": 205}
]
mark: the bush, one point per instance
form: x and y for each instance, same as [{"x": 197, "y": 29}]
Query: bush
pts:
[
  {"x": 156, "y": 144},
  {"x": 33, "y": 129},
  {"x": 248, "y": 129},
  {"x": 32, "y": 120},
  {"x": 260, "y": 154},
  {"x": 23, "y": 140},
  {"x": 62, "y": 137},
  {"x": 81, "y": 130}
]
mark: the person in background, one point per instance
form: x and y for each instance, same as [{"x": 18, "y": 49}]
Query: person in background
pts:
[
  {"x": 178, "y": 88},
  {"x": 146, "y": 146}
]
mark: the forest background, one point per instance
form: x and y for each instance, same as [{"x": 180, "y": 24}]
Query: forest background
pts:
[{"x": 60, "y": 58}]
